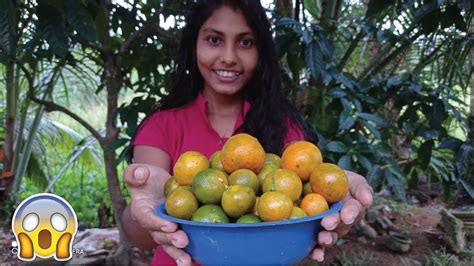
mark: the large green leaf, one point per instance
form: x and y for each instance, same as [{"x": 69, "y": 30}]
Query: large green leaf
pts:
[
  {"x": 337, "y": 146},
  {"x": 289, "y": 23},
  {"x": 375, "y": 176},
  {"x": 313, "y": 7},
  {"x": 51, "y": 27},
  {"x": 313, "y": 59},
  {"x": 463, "y": 157},
  {"x": 81, "y": 20},
  {"x": 468, "y": 186},
  {"x": 396, "y": 183},
  {"x": 424, "y": 154}
]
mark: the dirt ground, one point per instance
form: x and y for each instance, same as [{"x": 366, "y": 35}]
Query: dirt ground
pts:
[{"x": 419, "y": 221}]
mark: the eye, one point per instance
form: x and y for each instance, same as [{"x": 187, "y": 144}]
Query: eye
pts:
[
  {"x": 58, "y": 222},
  {"x": 30, "y": 222},
  {"x": 246, "y": 42},
  {"x": 213, "y": 40}
]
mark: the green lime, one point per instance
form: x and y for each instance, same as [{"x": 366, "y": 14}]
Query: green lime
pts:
[
  {"x": 216, "y": 160},
  {"x": 238, "y": 200},
  {"x": 210, "y": 213},
  {"x": 297, "y": 212},
  {"x": 208, "y": 185},
  {"x": 181, "y": 204},
  {"x": 248, "y": 219},
  {"x": 245, "y": 177},
  {"x": 170, "y": 185},
  {"x": 272, "y": 159}
]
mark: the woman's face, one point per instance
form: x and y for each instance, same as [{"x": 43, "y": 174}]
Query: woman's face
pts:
[{"x": 226, "y": 51}]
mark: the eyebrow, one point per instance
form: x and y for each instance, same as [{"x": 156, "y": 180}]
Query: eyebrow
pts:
[{"x": 222, "y": 33}]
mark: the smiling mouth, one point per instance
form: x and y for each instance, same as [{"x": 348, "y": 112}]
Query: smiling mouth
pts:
[{"x": 227, "y": 73}]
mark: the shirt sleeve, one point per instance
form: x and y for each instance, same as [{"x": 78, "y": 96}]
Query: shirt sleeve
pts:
[
  {"x": 153, "y": 132},
  {"x": 295, "y": 133}
]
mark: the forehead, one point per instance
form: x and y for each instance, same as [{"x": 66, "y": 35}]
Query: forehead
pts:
[{"x": 227, "y": 20}]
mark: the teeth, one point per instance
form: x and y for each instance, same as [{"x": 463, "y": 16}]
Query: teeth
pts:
[{"x": 227, "y": 74}]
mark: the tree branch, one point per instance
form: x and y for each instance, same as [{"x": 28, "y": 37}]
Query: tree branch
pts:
[{"x": 51, "y": 106}]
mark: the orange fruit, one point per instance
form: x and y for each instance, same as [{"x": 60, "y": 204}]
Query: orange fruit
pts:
[
  {"x": 188, "y": 165},
  {"x": 285, "y": 181},
  {"x": 248, "y": 219},
  {"x": 215, "y": 160},
  {"x": 301, "y": 157},
  {"x": 245, "y": 177},
  {"x": 314, "y": 203},
  {"x": 238, "y": 200},
  {"x": 297, "y": 212},
  {"x": 330, "y": 181},
  {"x": 273, "y": 159},
  {"x": 181, "y": 204},
  {"x": 208, "y": 185},
  {"x": 170, "y": 186},
  {"x": 242, "y": 151},
  {"x": 274, "y": 206},
  {"x": 210, "y": 213}
]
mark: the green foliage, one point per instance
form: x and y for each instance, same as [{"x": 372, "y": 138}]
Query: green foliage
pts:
[
  {"x": 363, "y": 258},
  {"x": 441, "y": 258},
  {"x": 84, "y": 189}
]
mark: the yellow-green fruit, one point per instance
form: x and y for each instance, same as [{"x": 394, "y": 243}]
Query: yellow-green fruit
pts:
[
  {"x": 238, "y": 200},
  {"x": 244, "y": 177},
  {"x": 208, "y": 185},
  {"x": 181, "y": 204}
]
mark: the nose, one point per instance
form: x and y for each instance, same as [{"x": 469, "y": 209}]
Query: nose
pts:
[{"x": 229, "y": 54}]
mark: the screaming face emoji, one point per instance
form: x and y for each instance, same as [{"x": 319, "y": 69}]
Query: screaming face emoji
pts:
[{"x": 44, "y": 225}]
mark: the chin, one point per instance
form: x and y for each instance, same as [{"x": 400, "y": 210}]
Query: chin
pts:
[{"x": 228, "y": 91}]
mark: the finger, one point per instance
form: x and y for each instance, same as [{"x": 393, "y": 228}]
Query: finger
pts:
[
  {"x": 351, "y": 210},
  {"x": 326, "y": 238},
  {"x": 146, "y": 217},
  {"x": 180, "y": 256},
  {"x": 318, "y": 254},
  {"x": 330, "y": 222},
  {"x": 359, "y": 188},
  {"x": 136, "y": 174},
  {"x": 178, "y": 239}
]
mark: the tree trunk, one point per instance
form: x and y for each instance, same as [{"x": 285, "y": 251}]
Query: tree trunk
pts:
[
  {"x": 284, "y": 8},
  {"x": 471, "y": 111},
  {"x": 10, "y": 118},
  {"x": 113, "y": 82}
]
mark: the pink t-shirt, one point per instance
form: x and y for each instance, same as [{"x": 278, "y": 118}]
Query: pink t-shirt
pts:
[{"x": 188, "y": 128}]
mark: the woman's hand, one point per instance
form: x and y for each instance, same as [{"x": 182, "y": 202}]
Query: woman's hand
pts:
[
  {"x": 146, "y": 183},
  {"x": 338, "y": 224}
]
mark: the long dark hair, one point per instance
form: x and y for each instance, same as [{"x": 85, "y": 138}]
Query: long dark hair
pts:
[{"x": 270, "y": 110}]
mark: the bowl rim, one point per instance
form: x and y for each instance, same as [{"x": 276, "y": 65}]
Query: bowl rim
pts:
[{"x": 335, "y": 207}]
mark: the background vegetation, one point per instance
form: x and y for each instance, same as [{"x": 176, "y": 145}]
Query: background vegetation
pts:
[{"x": 384, "y": 84}]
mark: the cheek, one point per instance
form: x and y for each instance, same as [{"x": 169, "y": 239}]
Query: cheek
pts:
[{"x": 251, "y": 62}]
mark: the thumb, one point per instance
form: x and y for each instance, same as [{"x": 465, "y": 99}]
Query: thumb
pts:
[{"x": 136, "y": 175}]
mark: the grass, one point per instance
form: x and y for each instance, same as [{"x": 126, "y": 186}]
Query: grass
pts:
[
  {"x": 441, "y": 258},
  {"x": 360, "y": 259}
]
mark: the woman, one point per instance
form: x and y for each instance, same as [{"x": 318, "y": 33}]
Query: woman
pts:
[{"x": 226, "y": 81}]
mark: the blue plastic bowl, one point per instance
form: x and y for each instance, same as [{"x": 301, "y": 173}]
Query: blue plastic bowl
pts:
[{"x": 283, "y": 242}]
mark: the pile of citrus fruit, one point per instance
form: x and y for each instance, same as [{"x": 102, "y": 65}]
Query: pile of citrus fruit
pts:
[{"x": 243, "y": 184}]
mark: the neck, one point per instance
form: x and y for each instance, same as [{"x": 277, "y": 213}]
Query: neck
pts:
[{"x": 224, "y": 105}]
